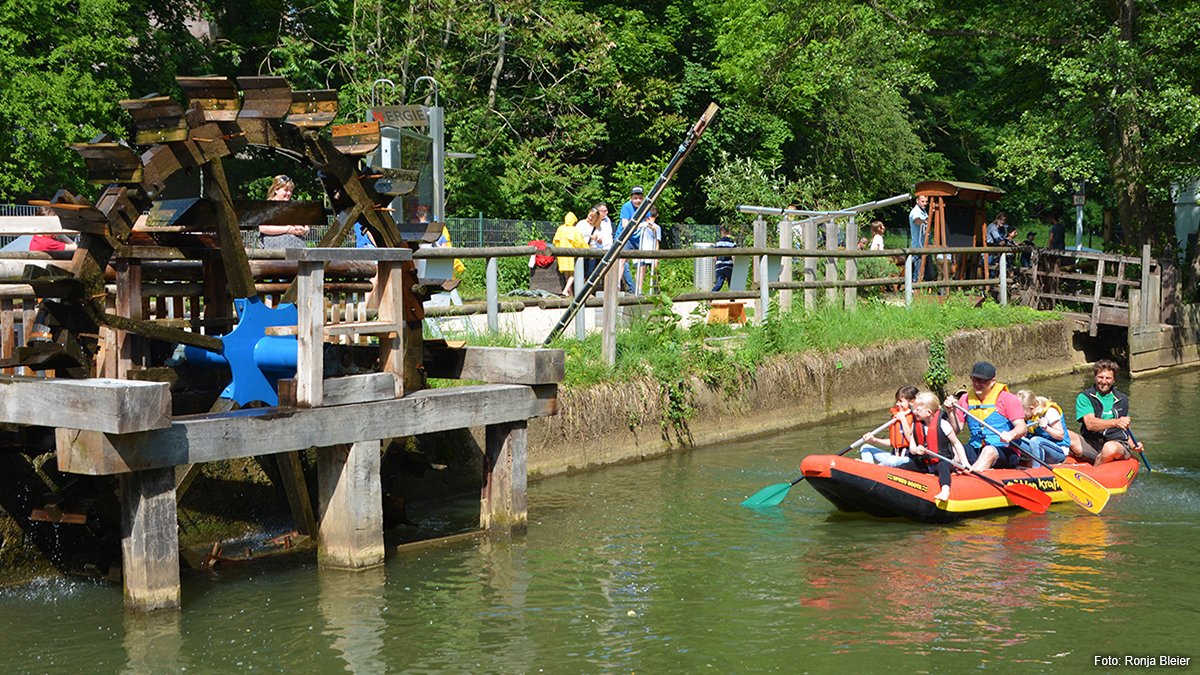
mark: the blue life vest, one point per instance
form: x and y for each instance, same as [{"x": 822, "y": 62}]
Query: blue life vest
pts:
[{"x": 986, "y": 410}]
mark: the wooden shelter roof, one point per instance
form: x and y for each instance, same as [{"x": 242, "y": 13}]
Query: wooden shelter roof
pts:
[{"x": 961, "y": 189}]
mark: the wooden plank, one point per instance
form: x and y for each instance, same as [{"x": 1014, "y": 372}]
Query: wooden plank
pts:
[
  {"x": 267, "y": 431},
  {"x": 358, "y": 138},
  {"x": 313, "y": 108},
  {"x": 217, "y": 96},
  {"x": 291, "y": 472},
  {"x": 347, "y": 389},
  {"x": 498, "y": 365},
  {"x": 351, "y": 495},
  {"x": 99, "y": 404},
  {"x": 149, "y": 540},
  {"x": 348, "y": 254},
  {"x": 391, "y": 299},
  {"x": 503, "y": 502},
  {"x": 8, "y": 334},
  {"x": 267, "y": 97},
  {"x": 362, "y": 328},
  {"x": 1118, "y": 280},
  {"x": 310, "y": 332},
  {"x": 233, "y": 250}
]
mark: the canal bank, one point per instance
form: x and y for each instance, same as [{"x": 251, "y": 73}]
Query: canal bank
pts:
[{"x": 625, "y": 421}]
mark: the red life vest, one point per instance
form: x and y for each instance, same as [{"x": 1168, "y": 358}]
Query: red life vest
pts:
[
  {"x": 931, "y": 433},
  {"x": 896, "y": 431}
]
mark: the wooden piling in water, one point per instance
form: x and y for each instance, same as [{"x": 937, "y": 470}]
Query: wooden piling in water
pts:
[{"x": 350, "y": 534}]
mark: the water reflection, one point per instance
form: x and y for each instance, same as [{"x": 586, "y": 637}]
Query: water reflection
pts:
[
  {"x": 152, "y": 643},
  {"x": 923, "y": 590},
  {"x": 352, "y": 604}
]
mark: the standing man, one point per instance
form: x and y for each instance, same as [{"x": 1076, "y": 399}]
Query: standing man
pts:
[
  {"x": 636, "y": 195},
  {"x": 1103, "y": 414},
  {"x": 918, "y": 221},
  {"x": 991, "y": 402},
  {"x": 1058, "y": 232},
  {"x": 724, "y": 266}
]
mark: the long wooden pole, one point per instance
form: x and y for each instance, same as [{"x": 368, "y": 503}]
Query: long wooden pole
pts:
[{"x": 610, "y": 257}]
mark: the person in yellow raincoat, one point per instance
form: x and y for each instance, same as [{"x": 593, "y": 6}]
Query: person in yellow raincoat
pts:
[{"x": 567, "y": 236}]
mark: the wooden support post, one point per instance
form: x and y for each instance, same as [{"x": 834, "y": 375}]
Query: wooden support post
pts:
[
  {"x": 391, "y": 310},
  {"x": 810, "y": 264},
  {"x": 149, "y": 539},
  {"x": 351, "y": 528},
  {"x": 851, "y": 292},
  {"x": 1145, "y": 285},
  {"x": 785, "y": 267},
  {"x": 129, "y": 305},
  {"x": 608, "y": 335},
  {"x": 291, "y": 472},
  {"x": 831, "y": 294},
  {"x": 581, "y": 317},
  {"x": 502, "y": 504},
  {"x": 310, "y": 332},
  {"x": 1094, "y": 322},
  {"x": 1003, "y": 279}
]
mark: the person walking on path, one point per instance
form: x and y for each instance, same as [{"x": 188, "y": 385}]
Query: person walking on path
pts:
[
  {"x": 991, "y": 402},
  {"x": 649, "y": 235},
  {"x": 1103, "y": 414}
]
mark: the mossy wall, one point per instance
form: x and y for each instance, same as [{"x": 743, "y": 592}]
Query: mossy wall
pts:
[{"x": 619, "y": 422}]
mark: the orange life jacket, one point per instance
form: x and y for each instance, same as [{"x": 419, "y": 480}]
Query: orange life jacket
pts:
[{"x": 896, "y": 431}]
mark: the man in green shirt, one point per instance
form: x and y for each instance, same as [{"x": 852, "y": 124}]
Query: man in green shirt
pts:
[{"x": 1103, "y": 414}]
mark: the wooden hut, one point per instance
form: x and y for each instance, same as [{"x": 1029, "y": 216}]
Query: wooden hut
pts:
[{"x": 958, "y": 217}]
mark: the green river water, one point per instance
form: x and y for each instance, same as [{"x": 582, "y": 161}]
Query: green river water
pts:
[{"x": 654, "y": 567}]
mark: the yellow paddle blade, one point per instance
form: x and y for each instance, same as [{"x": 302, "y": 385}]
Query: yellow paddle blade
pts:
[{"x": 1085, "y": 490}]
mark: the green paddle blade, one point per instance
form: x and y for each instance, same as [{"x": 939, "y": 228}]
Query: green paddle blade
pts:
[
  {"x": 1085, "y": 490},
  {"x": 769, "y": 496}
]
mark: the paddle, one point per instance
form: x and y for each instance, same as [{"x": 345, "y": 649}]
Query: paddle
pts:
[
  {"x": 773, "y": 495},
  {"x": 1025, "y": 496},
  {"x": 1141, "y": 454},
  {"x": 1085, "y": 490}
]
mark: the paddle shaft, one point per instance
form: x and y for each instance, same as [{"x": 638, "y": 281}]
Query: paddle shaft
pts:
[
  {"x": 857, "y": 443},
  {"x": 1142, "y": 454}
]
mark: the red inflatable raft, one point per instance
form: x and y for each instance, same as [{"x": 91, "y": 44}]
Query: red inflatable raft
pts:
[{"x": 856, "y": 486}]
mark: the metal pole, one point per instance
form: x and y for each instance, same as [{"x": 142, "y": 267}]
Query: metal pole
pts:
[
  {"x": 493, "y": 295},
  {"x": 1079, "y": 228},
  {"x": 581, "y": 317},
  {"x": 437, "y": 129},
  {"x": 908, "y": 289},
  {"x": 1004, "y": 278}
]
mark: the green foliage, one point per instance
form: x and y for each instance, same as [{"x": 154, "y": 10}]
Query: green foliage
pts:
[{"x": 938, "y": 373}]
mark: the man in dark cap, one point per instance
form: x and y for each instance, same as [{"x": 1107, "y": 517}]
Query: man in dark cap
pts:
[
  {"x": 636, "y": 195},
  {"x": 991, "y": 402}
]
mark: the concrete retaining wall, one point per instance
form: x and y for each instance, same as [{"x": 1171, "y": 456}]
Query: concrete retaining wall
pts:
[{"x": 613, "y": 423}]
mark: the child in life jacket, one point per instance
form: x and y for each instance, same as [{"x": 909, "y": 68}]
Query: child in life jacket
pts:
[
  {"x": 1049, "y": 438},
  {"x": 900, "y": 434},
  {"x": 940, "y": 441}
]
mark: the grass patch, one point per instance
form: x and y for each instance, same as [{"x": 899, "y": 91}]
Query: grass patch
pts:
[{"x": 662, "y": 348}]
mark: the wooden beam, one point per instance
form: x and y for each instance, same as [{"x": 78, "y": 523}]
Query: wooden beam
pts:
[
  {"x": 294, "y": 486},
  {"x": 233, "y": 250},
  {"x": 149, "y": 540},
  {"x": 100, "y": 404},
  {"x": 267, "y": 431},
  {"x": 347, "y": 254},
  {"x": 351, "y": 493},
  {"x": 497, "y": 365},
  {"x": 347, "y": 389},
  {"x": 310, "y": 331},
  {"x": 503, "y": 504}
]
